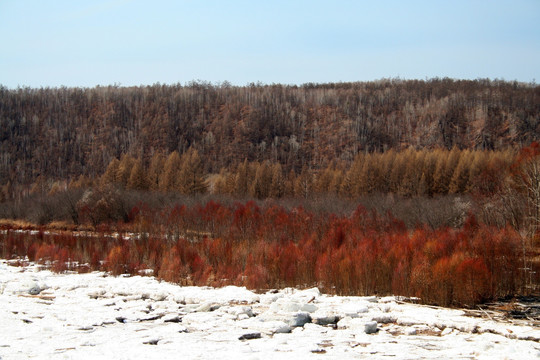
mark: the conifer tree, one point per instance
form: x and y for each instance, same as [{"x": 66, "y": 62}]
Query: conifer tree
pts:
[
  {"x": 398, "y": 172},
  {"x": 263, "y": 181},
  {"x": 386, "y": 165},
  {"x": 277, "y": 187},
  {"x": 446, "y": 165},
  {"x": 354, "y": 183},
  {"x": 412, "y": 174},
  {"x": 460, "y": 179},
  {"x": 220, "y": 183},
  {"x": 242, "y": 178},
  {"x": 157, "y": 163},
  {"x": 110, "y": 176},
  {"x": 169, "y": 176},
  {"x": 289, "y": 184},
  {"x": 426, "y": 186},
  {"x": 323, "y": 180},
  {"x": 124, "y": 169},
  {"x": 137, "y": 179},
  {"x": 191, "y": 175},
  {"x": 346, "y": 187},
  {"x": 337, "y": 179}
]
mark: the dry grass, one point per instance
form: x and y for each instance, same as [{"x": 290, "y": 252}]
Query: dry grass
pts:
[
  {"x": 20, "y": 224},
  {"x": 55, "y": 225},
  {"x": 61, "y": 225}
]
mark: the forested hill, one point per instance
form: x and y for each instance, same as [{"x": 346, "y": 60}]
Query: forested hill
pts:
[{"x": 61, "y": 133}]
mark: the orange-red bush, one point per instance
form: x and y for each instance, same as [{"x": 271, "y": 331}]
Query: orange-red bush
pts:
[{"x": 243, "y": 244}]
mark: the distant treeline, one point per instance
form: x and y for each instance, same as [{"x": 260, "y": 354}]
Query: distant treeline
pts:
[{"x": 62, "y": 133}]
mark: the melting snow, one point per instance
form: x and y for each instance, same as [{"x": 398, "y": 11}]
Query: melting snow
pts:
[{"x": 59, "y": 316}]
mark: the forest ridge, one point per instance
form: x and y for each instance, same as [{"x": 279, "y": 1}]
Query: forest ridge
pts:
[{"x": 62, "y": 133}]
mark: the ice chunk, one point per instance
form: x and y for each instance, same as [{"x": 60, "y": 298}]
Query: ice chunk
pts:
[
  {"x": 411, "y": 331},
  {"x": 240, "y": 310},
  {"x": 324, "y": 319},
  {"x": 352, "y": 310},
  {"x": 299, "y": 319},
  {"x": 309, "y": 308},
  {"x": 32, "y": 287},
  {"x": 370, "y": 327},
  {"x": 269, "y": 298}
]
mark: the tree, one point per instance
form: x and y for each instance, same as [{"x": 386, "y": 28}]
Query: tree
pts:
[
  {"x": 110, "y": 177},
  {"x": 303, "y": 184},
  {"x": 220, "y": 183},
  {"x": 243, "y": 178},
  {"x": 191, "y": 175},
  {"x": 426, "y": 180},
  {"x": 263, "y": 181},
  {"x": 157, "y": 163},
  {"x": 277, "y": 187},
  {"x": 446, "y": 165},
  {"x": 137, "y": 178},
  {"x": 124, "y": 169},
  {"x": 410, "y": 184},
  {"x": 460, "y": 179},
  {"x": 169, "y": 176},
  {"x": 355, "y": 182}
]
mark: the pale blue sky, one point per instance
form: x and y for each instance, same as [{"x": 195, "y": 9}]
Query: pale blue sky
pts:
[{"x": 86, "y": 43}]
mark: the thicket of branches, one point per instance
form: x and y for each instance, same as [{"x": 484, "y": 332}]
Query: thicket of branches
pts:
[{"x": 363, "y": 253}]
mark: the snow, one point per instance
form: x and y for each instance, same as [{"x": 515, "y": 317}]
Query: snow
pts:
[{"x": 75, "y": 316}]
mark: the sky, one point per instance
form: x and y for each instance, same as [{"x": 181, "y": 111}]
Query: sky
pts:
[{"x": 129, "y": 43}]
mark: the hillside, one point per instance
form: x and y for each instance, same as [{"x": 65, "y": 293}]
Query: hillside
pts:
[{"x": 61, "y": 133}]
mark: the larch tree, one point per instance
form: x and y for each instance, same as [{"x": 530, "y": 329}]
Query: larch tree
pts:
[
  {"x": 157, "y": 163},
  {"x": 460, "y": 179},
  {"x": 124, "y": 169},
  {"x": 263, "y": 181},
  {"x": 277, "y": 187},
  {"x": 191, "y": 175},
  {"x": 110, "y": 176},
  {"x": 137, "y": 178},
  {"x": 169, "y": 176},
  {"x": 243, "y": 178},
  {"x": 426, "y": 180}
]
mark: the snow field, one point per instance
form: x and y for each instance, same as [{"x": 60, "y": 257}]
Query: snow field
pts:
[{"x": 44, "y": 315}]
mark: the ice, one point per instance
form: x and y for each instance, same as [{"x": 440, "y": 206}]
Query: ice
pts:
[
  {"x": 76, "y": 316},
  {"x": 309, "y": 308},
  {"x": 370, "y": 327}
]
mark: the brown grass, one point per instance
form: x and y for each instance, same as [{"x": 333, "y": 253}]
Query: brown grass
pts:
[{"x": 21, "y": 224}]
